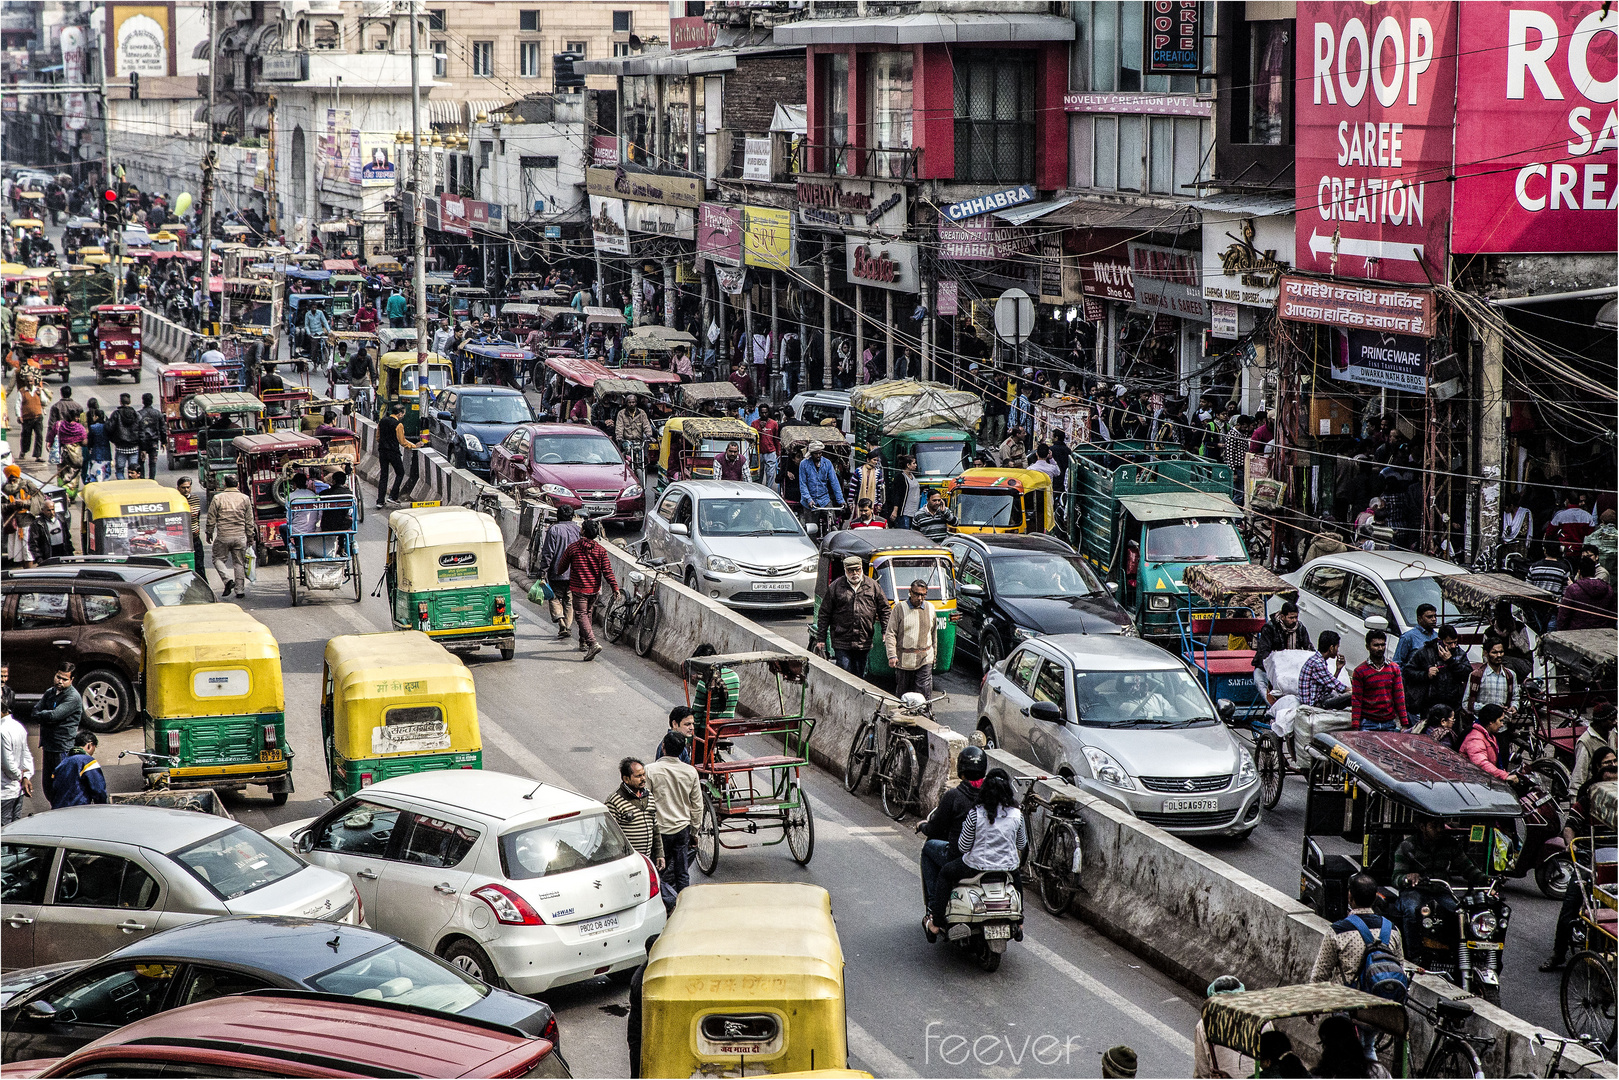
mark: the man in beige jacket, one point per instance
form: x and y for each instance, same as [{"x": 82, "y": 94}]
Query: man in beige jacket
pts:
[
  {"x": 910, "y": 641},
  {"x": 230, "y": 527},
  {"x": 677, "y": 799}
]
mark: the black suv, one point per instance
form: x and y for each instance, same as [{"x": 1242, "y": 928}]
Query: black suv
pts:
[
  {"x": 1012, "y": 587},
  {"x": 89, "y": 609}
]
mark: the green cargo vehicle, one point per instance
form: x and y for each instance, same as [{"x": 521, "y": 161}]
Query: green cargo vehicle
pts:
[
  {"x": 929, "y": 421},
  {"x": 81, "y": 289},
  {"x": 1141, "y": 514}
]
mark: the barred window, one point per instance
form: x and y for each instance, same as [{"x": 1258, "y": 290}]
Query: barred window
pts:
[{"x": 995, "y": 112}]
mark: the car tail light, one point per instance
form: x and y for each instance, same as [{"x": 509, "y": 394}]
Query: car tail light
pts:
[
  {"x": 174, "y": 743},
  {"x": 365, "y": 779},
  {"x": 270, "y": 738},
  {"x": 508, "y": 907},
  {"x": 652, "y": 876},
  {"x": 500, "y": 608},
  {"x": 550, "y": 1032}
]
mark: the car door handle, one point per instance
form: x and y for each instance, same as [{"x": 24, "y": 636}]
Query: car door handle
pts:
[
  {"x": 444, "y": 887},
  {"x": 1024, "y": 710},
  {"x": 63, "y": 641},
  {"x": 369, "y": 875},
  {"x": 17, "y": 922},
  {"x": 995, "y": 689},
  {"x": 130, "y": 926}
]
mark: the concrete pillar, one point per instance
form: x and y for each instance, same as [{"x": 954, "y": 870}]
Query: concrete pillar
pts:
[
  {"x": 775, "y": 341},
  {"x": 638, "y": 308},
  {"x": 747, "y": 329},
  {"x": 859, "y": 333},
  {"x": 669, "y": 292},
  {"x": 826, "y": 320},
  {"x": 888, "y": 329},
  {"x": 702, "y": 315},
  {"x": 925, "y": 362},
  {"x": 1492, "y": 436}
]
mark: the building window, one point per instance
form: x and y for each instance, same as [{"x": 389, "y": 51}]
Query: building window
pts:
[
  {"x": 528, "y": 21},
  {"x": 621, "y": 48},
  {"x": 529, "y": 59},
  {"x": 1259, "y": 106},
  {"x": 677, "y": 113},
  {"x": 483, "y": 58},
  {"x": 435, "y": 18},
  {"x": 699, "y": 122},
  {"x": 577, "y": 47},
  {"x": 890, "y": 112},
  {"x": 639, "y": 109},
  {"x": 1115, "y": 153},
  {"x": 441, "y": 59},
  {"x": 995, "y": 111},
  {"x": 836, "y": 110},
  {"x": 1110, "y": 48},
  {"x": 621, "y": 22}
]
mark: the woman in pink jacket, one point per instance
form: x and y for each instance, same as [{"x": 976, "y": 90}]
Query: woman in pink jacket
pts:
[{"x": 1480, "y": 745}]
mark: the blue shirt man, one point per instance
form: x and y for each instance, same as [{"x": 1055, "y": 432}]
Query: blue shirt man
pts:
[
  {"x": 818, "y": 480},
  {"x": 1419, "y": 635},
  {"x": 316, "y": 323}
]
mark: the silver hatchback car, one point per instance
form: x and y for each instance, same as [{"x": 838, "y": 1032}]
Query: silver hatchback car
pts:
[
  {"x": 1128, "y": 722},
  {"x": 85, "y": 880},
  {"x": 737, "y": 543}
]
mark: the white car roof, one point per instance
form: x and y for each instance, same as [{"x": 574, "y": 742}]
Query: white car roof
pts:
[
  {"x": 727, "y": 489},
  {"x": 1111, "y": 652},
  {"x": 1386, "y": 565},
  {"x": 511, "y": 800}
]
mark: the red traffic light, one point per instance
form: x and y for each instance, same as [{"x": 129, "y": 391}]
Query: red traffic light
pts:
[{"x": 110, "y": 196}]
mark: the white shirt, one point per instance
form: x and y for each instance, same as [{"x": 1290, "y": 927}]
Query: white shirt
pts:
[
  {"x": 1572, "y": 515},
  {"x": 16, "y": 760},
  {"x": 1518, "y": 525}
]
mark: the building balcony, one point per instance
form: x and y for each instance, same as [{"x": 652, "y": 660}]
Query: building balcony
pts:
[{"x": 842, "y": 159}]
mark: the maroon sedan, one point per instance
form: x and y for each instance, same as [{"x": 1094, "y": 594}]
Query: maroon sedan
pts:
[{"x": 571, "y": 465}]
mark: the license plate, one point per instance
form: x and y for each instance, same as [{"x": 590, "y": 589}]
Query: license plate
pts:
[
  {"x": 772, "y": 586},
  {"x": 999, "y": 930},
  {"x": 1190, "y": 806},
  {"x": 269, "y": 755},
  {"x": 603, "y": 925}
]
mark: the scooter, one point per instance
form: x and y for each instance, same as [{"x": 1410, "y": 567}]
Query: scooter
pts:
[
  {"x": 1544, "y": 852},
  {"x": 984, "y": 913}
]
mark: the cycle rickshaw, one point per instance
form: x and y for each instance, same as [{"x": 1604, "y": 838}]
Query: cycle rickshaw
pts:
[
  {"x": 744, "y": 796},
  {"x": 1225, "y": 606},
  {"x": 1237, "y": 1020},
  {"x": 326, "y": 558},
  {"x": 1588, "y": 991}
]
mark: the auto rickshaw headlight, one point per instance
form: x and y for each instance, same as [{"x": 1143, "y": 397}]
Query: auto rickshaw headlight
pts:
[
  {"x": 1485, "y": 923},
  {"x": 1158, "y": 602}
]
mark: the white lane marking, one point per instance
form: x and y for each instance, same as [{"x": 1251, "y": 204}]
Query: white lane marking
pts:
[
  {"x": 1052, "y": 959},
  {"x": 878, "y": 1059}
]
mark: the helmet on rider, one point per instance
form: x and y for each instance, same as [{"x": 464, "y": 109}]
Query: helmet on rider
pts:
[{"x": 971, "y": 763}]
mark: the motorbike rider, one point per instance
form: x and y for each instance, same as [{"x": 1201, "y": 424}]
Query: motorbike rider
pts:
[
  {"x": 993, "y": 839},
  {"x": 943, "y": 827},
  {"x": 1432, "y": 852}
]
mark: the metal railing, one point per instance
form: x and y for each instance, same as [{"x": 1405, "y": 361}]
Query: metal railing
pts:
[{"x": 843, "y": 159}]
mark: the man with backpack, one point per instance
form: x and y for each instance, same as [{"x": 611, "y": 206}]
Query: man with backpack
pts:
[
  {"x": 150, "y": 431},
  {"x": 124, "y": 432},
  {"x": 1364, "y": 949}
]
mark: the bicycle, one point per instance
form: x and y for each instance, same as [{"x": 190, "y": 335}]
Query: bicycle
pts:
[
  {"x": 1454, "y": 1052},
  {"x": 641, "y": 608},
  {"x": 486, "y": 497},
  {"x": 1057, "y": 863},
  {"x": 896, "y": 745},
  {"x": 1584, "y": 1041}
]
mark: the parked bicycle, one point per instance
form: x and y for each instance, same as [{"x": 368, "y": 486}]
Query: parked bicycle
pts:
[
  {"x": 1454, "y": 1052},
  {"x": 892, "y": 742},
  {"x": 639, "y": 607},
  {"x": 486, "y": 498},
  {"x": 1056, "y": 863}
]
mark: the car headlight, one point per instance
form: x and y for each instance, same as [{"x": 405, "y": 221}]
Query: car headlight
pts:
[
  {"x": 1485, "y": 923},
  {"x": 1108, "y": 771},
  {"x": 1024, "y": 635},
  {"x": 1246, "y": 773},
  {"x": 721, "y": 565},
  {"x": 631, "y": 492},
  {"x": 810, "y": 566},
  {"x": 1158, "y": 602},
  {"x": 557, "y": 490},
  {"x": 472, "y": 443},
  {"x": 1130, "y": 630}
]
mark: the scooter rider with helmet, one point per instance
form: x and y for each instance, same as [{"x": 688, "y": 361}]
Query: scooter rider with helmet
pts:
[{"x": 943, "y": 826}]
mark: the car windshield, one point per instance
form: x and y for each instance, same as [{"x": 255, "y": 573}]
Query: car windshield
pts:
[
  {"x": 179, "y": 589},
  {"x": 1045, "y": 574},
  {"x": 495, "y": 409},
  {"x": 746, "y": 517},
  {"x": 1141, "y": 699},
  {"x": 1409, "y": 592},
  {"x": 558, "y": 847},
  {"x": 1195, "y": 541},
  {"x": 940, "y": 458},
  {"x": 896, "y": 574},
  {"x": 236, "y": 862},
  {"x": 399, "y": 974},
  {"x": 576, "y": 450},
  {"x": 988, "y": 509}
]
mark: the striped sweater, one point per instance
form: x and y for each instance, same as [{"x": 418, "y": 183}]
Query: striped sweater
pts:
[{"x": 636, "y": 816}]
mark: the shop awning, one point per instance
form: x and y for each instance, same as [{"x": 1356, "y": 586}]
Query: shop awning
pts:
[
  {"x": 1019, "y": 215},
  {"x": 1254, "y": 205},
  {"x": 488, "y": 108},
  {"x": 791, "y": 119},
  {"x": 443, "y": 112},
  {"x": 226, "y": 114},
  {"x": 200, "y": 51},
  {"x": 681, "y": 62},
  {"x": 257, "y": 118},
  {"x": 1100, "y": 214},
  {"x": 927, "y": 29}
]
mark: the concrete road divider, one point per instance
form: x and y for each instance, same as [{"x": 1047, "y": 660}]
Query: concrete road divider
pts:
[{"x": 168, "y": 341}]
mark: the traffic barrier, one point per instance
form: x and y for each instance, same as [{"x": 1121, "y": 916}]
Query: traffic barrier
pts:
[{"x": 168, "y": 341}]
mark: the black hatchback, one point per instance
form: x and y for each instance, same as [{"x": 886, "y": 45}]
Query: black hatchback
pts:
[
  {"x": 1012, "y": 587},
  {"x": 52, "y": 1011}
]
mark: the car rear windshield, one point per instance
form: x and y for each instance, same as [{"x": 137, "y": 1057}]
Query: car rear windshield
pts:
[
  {"x": 236, "y": 862},
  {"x": 940, "y": 458},
  {"x": 399, "y": 974},
  {"x": 179, "y": 589},
  {"x": 560, "y": 846}
]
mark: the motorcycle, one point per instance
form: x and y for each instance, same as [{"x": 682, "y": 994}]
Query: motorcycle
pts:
[
  {"x": 1543, "y": 852},
  {"x": 1466, "y": 945},
  {"x": 983, "y": 914}
]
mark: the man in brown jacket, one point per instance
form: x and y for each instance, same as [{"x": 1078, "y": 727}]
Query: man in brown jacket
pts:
[
  {"x": 851, "y": 611},
  {"x": 230, "y": 527}
]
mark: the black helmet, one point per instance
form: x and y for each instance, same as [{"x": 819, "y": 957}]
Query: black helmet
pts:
[{"x": 971, "y": 764}]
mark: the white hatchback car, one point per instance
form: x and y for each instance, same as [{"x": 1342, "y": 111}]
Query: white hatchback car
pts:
[
  {"x": 737, "y": 543},
  {"x": 521, "y": 884}
]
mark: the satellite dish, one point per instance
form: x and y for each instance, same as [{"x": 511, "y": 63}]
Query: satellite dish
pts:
[{"x": 635, "y": 42}]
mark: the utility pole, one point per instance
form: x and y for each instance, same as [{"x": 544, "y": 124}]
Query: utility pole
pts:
[
  {"x": 106, "y": 137},
  {"x": 419, "y": 214},
  {"x": 208, "y": 162}
]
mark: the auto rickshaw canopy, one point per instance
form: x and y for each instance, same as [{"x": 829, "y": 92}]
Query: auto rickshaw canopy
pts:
[
  {"x": 1419, "y": 772},
  {"x": 697, "y": 428},
  {"x": 1237, "y": 1020},
  {"x": 432, "y": 545},
  {"x": 210, "y": 660},
  {"x": 1224, "y": 584},
  {"x": 123, "y": 498},
  {"x": 370, "y": 674},
  {"x": 390, "y": 360},
  {"x": 227, "y": 402}
]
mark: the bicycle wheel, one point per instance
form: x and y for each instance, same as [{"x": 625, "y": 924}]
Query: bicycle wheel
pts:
[
  {"x": 900, "y": 775},
  {"x": 1588, "y": 998},
  {"x": 1272, "y": 770},
  {"x": 799, "y": 825},
  {"x": 617, "y": 619},
  {"x": 858, "y": 763},
  {"x": 1457, "y": 1059},
  {"x": 1553, "y": 776},
  {"x": 1058, "y": 855},
  {"x": 647, "y": 625},
  {"x": 708, "y": 837}
]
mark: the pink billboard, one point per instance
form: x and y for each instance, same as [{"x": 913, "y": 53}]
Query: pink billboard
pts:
[
  {"x": 1375, "y": 100},
  {"x": 1536, "y": 131},
  {"x": 719, "y": 233}
]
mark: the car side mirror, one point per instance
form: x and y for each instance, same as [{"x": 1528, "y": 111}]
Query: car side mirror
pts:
[
  {"x": 975, "y": 590},
  {"x": 1047, "y": 711},
  {"x": 304, "y": 842},
  {"x": 1376, "y": 622},
  {"x": 678, "y": 529},
  {"x": 42, "y": 1010},
  {"x": 1227, "y": 709},
  {"x": 443, "y": 415},
  {"x": 1113, "y": 587}
]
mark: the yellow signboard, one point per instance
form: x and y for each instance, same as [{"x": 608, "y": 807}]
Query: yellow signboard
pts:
[{"x": 767, "y": 237}]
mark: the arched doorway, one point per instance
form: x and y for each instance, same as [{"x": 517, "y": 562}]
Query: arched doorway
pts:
[{"x": 300, "y": 173}]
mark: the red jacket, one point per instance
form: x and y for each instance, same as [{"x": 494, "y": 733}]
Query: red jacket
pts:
[
  {"x": 1482, "y": 750},
  {"x": 587, "y": 565}
]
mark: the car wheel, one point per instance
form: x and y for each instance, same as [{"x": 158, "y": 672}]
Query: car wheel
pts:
[
  {"x": 109, "y": 701},
  {"x": 461, "y": 458},
  {"x": 691, "y": 581},
  {"x": 469, "y": 959},
  {"x": 988, "y": 729},
  {"x": 990, "y": 650}
]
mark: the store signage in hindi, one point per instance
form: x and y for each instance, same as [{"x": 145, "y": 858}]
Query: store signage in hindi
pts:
[
  {"x": 1537, "y": 143},
  {"x": 767, "y": 237},
  {"x": 848, "y": 205},
  {"x": 1106, "y": 278},
  {"x": 719, "y": 233},
  {"x": 1223, "y": 321},
  {"x": 1137, "y": 104},
  {"x": 608, "y": 226},
  {"x": 1357, "y": 306},
  {"x": 1168, "y": 282},
  {"x": 883, "y": 264},
  {"x": 1375, "y": 109},
  {"x": 692, "y": 32},
  {"x": 756, "y": 159},
  {"x": 948, "y": 297},
  {"x": 620, "y": 183},
  {"x": 141, "y": 34},
  {"x": 1387, "y": 361},
  {"x": 1244, "y": 258},
  {"x": 988, "y": 204},
  {"x": 284, "y": 66},
  {"x": 1175, "y": 30},
  {"x": 983, "y": 239}
]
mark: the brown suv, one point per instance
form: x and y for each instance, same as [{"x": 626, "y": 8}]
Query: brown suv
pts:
[{"x": 89, "y": 609}]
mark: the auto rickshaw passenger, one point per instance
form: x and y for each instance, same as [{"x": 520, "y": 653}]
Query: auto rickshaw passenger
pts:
[{"x": 1430, "y": 852}]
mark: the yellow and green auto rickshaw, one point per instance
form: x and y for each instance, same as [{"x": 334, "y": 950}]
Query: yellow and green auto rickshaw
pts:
[
  {"x": 446, "y": 576},
  {"x": 746, "y": 979},
  {"x": 215, "y": 712},
  {"x": 398, "y": 382},
  {"x": 393, "y": 704},
  {"x": 689, "y": 446},
  {"x": 1000, "y": 501},
  {"x": 895, "y": 558},
  {"x": 137, "y": 517}
]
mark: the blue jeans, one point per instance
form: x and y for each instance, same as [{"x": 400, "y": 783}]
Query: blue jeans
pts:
[
  {"x": 1391, "y": 726},
  {"x": 124, "y": 460},
  {"x": 852, "y": 660},
  {"x": 771, "y": 467},
  {"x": 676, "y": 873},
  {"x": 903, "y": 521},
  {"x": 935, "y": 853}
]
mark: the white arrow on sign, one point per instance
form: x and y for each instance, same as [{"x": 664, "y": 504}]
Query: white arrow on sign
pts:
[{"x": 1367, "y": 249}]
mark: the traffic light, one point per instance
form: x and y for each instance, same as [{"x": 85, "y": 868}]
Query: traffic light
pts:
[
  {"x": 112, "y": 209},
  {"x": 564, "y": 78}
]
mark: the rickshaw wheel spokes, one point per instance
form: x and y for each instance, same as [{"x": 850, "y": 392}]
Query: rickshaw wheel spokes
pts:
[
  {"x": 799, "y": 824},
  {"x": 1588, "y": 997},
  {"x": 708, "y": 837},
  {"x": 1272, "y": 771}
]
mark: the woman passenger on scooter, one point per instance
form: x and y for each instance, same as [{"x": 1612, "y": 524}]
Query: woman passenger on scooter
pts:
[{"x": 993, "y": 838}]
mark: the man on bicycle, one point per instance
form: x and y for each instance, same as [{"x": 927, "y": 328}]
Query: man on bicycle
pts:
[
  {"x": 634, "y": 430},
  {"x": 818, "y": 487}
]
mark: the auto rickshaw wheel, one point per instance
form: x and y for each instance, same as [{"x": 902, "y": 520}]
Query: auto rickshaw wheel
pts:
[
  {"x": 798, "y": 822},
  {"x": 278, "y": 798},
  {"x": 708, "y": 837}
]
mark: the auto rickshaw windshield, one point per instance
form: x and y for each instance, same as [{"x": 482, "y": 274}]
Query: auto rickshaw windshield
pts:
[
  {"x": 896, "y": 573},
  {"x": 988, "y": 509},
  {"x": 437, "y": 378}
]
